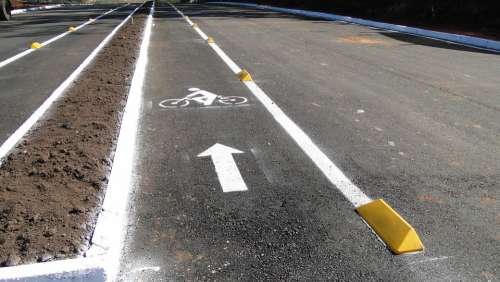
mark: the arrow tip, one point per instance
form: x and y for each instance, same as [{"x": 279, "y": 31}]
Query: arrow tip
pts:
[{"x": 219, "y": 149}]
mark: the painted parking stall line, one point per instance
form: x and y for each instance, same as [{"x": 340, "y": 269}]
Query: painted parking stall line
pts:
[
  {"x": 37, "y": 45},
  {"x": 399, "y": 236}
]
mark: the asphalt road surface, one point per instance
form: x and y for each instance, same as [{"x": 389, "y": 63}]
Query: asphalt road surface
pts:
[
  {"x": 28, "y": 81},
  {"x": 223, "y": 193},
  {"x": 409, "y": 120}
]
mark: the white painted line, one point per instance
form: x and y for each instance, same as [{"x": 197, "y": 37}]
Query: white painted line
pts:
[
  {"x": 55, "y": 270},
  {"x": 35, "y": 116},
  {"x": 201, "y": 33},
  {"x": 46, "y": 7},
  {"x": 45, "y": 43},
  {"x": 227, "y": 171},
  {"x": 232, "y": 65},
  {"x": 352, "y": 193},
  {"x": 109, "y": 233}
]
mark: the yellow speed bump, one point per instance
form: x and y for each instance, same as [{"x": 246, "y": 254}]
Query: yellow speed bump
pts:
[
  {"x": 398, "y": 234},
  {"x": 210, "y": 40},
  {"x": 71, "y": 29},
  {"x": 244, "y": 75},
  {"x": 35, "y": 45}
]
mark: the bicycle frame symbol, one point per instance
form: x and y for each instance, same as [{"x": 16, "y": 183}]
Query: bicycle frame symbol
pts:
[{"x": 203, "y": 98}]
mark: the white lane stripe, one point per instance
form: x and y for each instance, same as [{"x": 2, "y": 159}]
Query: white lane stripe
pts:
[
  {"x": 201, "y": 33},
  {"x": 109, "y": 233},
  {"x": 46, "y": 7},
  {"x": 329, "y": 169},
  {"x": 45, "y": 43},
  {"x": 232, "y": 65},
  {"x": 35, "y": 116}
]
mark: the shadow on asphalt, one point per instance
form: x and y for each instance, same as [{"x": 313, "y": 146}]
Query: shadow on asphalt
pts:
[
  {"x": 227, "y": 12},
  {"x": 417, "y": 40}
]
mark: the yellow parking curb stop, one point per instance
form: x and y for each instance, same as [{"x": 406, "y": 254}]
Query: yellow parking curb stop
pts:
[
  {"x": 35, "y": 45},
  {"x": 210, "y": 40},
  {"x": 244, "y": 75},
  {"x": 398, "y": 234}
]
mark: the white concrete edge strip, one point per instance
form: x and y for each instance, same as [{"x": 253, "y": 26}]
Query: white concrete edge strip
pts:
[
  {"x": 109, "y": 233},
  {"x": 46, "y": 7},
  {"x": 463, "y": 40},
  {"x": 86, "y": 269},
  {"x": 351, "y": 192},
  {"x": 90, "y": 268},
  {"x": 45, "y": 43},
  {"x": 35, "y": 116}
]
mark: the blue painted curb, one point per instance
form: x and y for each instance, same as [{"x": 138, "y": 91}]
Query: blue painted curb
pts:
[{"x": 470, "y": 41}]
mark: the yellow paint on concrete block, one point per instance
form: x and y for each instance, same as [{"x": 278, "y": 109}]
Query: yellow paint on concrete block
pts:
[
  {"x": 398, "y": 234},
  {"x": 244, "y": 75},
  {"x": 35, "y": 45},
  {"x": 210, "y": 40},
  {"x": 71, "y": 29}
]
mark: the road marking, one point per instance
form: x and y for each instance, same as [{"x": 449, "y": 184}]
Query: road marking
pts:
[
  {"x": 229, "y": 175},
  {"x": 31, "y": 50},
  {"x": 352, "y": 193},
  {"x": 35, "y": 116},
  {"x": 398, "y": 235},
  {"x": 146, "y": 268},
  {"x": 46, "y": 7},
  {"x": 202, "y": 98}
]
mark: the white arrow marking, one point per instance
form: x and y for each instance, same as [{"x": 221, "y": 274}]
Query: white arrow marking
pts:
[{"x": 229, "y": 175}]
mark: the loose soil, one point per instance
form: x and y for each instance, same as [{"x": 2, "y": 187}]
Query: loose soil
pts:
[{"x": 52, "y": 184}]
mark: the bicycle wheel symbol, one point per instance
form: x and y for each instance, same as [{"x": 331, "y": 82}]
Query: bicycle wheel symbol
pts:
[
  {"x": 174, "y": 103},
  {"x": 232, "y": 100}
]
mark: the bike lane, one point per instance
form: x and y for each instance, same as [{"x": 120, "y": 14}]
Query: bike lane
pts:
[{"x": 254, "y": 207}]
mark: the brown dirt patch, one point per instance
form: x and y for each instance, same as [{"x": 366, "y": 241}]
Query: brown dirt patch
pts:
[
  {"x": 52, "y": 184},
  {"x": 362, "y": 40}
]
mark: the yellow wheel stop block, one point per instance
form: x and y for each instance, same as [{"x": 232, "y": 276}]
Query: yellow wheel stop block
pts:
[
  {"x": 398, "y": 234},
  {"x": 210, "y": 40},
  {"x": 244, "y": 75},
  {"x": 71, "y": 29},
  {"x": 35, "y": 45}
]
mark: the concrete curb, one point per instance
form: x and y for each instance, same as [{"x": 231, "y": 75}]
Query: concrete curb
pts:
[
  {"x": 46, "y": 7},
  {"x": 470, "y": 41}
]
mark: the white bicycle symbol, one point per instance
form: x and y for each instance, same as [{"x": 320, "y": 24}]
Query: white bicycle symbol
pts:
[{"x": 203, "y": 98}]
